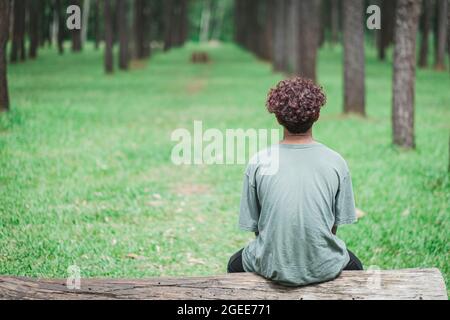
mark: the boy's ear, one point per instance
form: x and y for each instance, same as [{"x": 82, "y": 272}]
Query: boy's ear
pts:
[{"x": 318, "y": 117}]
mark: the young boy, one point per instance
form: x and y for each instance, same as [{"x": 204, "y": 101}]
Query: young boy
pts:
[{"x": 295, "y": 211}]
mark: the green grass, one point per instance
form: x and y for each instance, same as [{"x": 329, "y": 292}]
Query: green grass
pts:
[{"x": 84, "y": 156}]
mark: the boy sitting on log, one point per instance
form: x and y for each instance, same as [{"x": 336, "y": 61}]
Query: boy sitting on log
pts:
[{"x": 296, "y": 210}]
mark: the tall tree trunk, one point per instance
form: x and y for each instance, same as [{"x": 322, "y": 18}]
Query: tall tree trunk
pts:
[
  {"x": 291, "y": 35},
  {"x": 426, "y": 23},
  {"x": 4, "y": 32},
  {"x": 180, "y": 28},
  {"x": 122, "y": 7},
  {"x": 260, "y": 28},
  {"x": 35, "y": 8},
  {"x": 406, "y": 22},
  {"x": 179, "y": 17},
  {"x": 285, "y": 27},
  {"x": 97, "y": 24},
  {"x": 18, "y": 37},
  {"x": 441, "y": 36},
  {"x": 292, "y": 20},
  {"x": 45, "y": 18},
  {"x": 183, "y": 24},
  {"x": 141, "y": 29},
  {"x": 435, "y": 29},
  {"x": 334, "y": 16},
  {"x": 85, "y": 21},
  {"x": 268, "y": 30},
  {"x": 279, "y": 35},
  {"x": 54, "y": 23},
  {"x": 23, "y": 52},
  {"x": 168, "y": 14},
  {"x": 354, "y": 69},
  {"x": 321, "y": 23},
  {"x": 252, "y": 38},
  {"x": 61, "y": 25},
  {"x": 148, "y": 23},
  {"x": 386, "y": 34},
  {"x": 247, "y": 24},
  {"x": 76, "y": 34},
  {"x": 109, "y": 38},
  {"x": 308, "y": 39},
  {"x": 176, "y": 24},
  {"x": 138, "y": 29},
  {"x": 238, "y": 22}
]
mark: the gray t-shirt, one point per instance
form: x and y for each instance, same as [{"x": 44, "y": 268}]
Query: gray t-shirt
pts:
[{"x": 294, "y": 209}]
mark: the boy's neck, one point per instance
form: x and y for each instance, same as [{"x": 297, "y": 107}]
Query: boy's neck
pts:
[{"x": 297, "y": 138}]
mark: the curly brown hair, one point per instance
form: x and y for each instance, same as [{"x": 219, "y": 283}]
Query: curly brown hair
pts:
[{"x": 296, "y": 103}]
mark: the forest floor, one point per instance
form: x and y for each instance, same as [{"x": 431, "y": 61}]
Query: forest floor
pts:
[{"x": 86, "y": 177}]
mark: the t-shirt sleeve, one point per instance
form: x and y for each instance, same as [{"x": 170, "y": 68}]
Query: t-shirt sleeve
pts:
[
  {"x": 345, "y": 212},
  {"x": 249, "y": 208}
]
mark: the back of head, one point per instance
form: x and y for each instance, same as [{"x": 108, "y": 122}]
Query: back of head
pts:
[{"x": 296, "y": 103}]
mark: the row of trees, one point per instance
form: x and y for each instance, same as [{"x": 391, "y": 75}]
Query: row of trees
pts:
[
  {"x": 263, "y": 25},
  {"x": 286, "y": 32},
  {"x": 132, "y": 24},
  {"x": 289, "y": 32},
  {"x": 435, "y": 17}
]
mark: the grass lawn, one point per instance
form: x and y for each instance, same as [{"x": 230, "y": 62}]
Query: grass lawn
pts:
[{"x": 86, "y": 176}]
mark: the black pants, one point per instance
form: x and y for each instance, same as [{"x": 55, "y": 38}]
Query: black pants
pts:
[{"x": 235, "y": 263}]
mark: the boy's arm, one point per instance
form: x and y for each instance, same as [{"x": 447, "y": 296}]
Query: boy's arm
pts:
[
  {"x": 249, "y": 208},
  {"x": 344, "y": 210}
]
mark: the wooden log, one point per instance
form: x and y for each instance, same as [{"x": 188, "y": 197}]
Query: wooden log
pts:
[{"x": 393, "y": 284}]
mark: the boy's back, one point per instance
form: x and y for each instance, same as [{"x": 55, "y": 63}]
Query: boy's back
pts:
[
  {"x": 294, "y": 211},
  {"x": 295, "y": 195}
]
